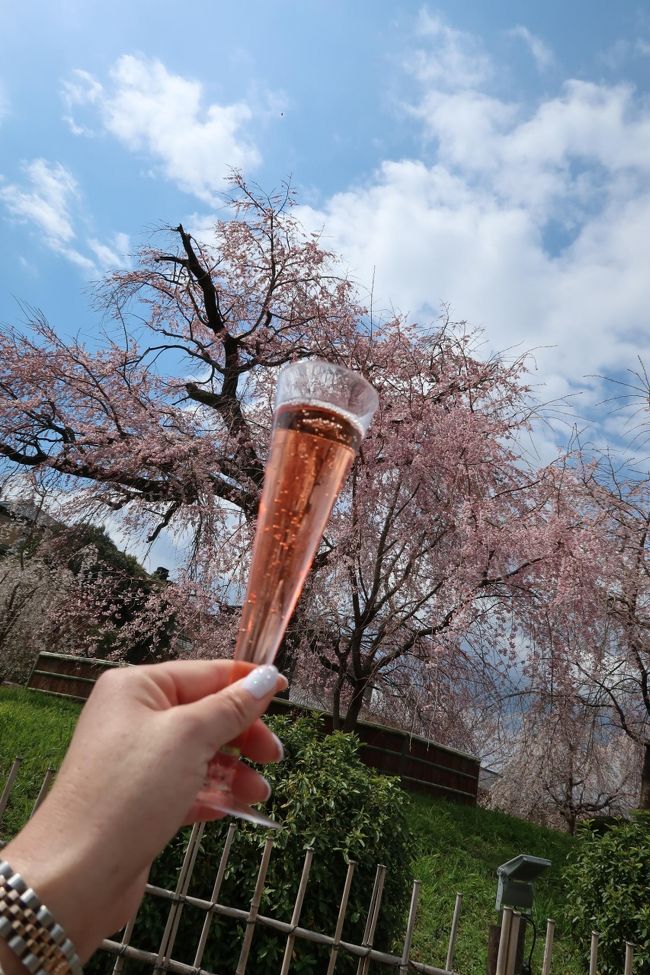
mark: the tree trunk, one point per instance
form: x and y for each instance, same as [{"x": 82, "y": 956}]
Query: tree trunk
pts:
[
  {"x": 336, "y": 702},
  {"x": 644, "y": 801},
  {"x": 286, "y": 657},
  {"x": 356, "y": 703}
]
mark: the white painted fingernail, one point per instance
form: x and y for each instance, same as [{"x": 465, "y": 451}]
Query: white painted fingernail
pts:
[
  {"x": 280, "y": 748},
  {"x": 261, "y": 681}
]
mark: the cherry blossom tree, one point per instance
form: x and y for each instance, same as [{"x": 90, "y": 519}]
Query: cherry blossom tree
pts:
[
  {"x": 165, "y": 418},
  {"x": 28, "y": 586},
  {"x": 617, "y": 671},
  {"x": 590, "y": 634},
  {"x": 162, "y": 410},
  {"x": 26, "y": 592},
  {"x": 444, "y": 532},
  {"x": 612, "y": 669},
  {"x": 560, "y": 764},
  {"x": 70, "y": 589}
]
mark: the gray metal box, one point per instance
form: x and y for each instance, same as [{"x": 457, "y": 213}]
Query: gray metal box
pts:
[{"x": 515, "y": 888}]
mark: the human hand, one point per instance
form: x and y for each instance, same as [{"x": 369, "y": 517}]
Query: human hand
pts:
[{"x": 129, "y": 781}]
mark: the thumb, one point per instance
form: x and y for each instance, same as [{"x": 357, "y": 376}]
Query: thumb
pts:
[{"x": 225, "y": 715}]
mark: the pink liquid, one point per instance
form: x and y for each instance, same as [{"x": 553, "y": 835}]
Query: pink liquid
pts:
[{"x": 312, "y": 451}]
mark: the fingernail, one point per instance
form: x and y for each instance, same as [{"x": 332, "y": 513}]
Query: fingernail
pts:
[
  {"x": 261, "y": 681},
  {"x": 268, "y": 789},
  {"x": 280, "y": 747}
]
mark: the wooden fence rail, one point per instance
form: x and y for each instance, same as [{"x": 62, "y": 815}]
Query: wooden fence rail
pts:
[
  {"x": 162, "y": 960},
  {"x": 422, "y": 765}
]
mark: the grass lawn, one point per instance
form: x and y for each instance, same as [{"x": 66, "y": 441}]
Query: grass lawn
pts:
[
  {"x": 459, "y": 847},
  {"x": 36, "y": 727}
]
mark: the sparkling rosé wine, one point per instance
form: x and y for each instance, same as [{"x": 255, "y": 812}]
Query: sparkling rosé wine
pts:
[
  {"x": 312, "y": 450},
  {"x": 321, "y": 414}
]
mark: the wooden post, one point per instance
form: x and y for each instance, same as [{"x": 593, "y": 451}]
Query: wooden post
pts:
[
  {"x": 410, "y": 925},
  {"x": 629, "y": 958},
  {"x": 297, "y": 908},
  {"x": 341, "y": 918},
  {"x": 506, "y": 924},
  {"x": 593, "y": 954},
  {"x": 223, "y": 863},
  {"x": 182, "y": 885},
  {"x": 548, "y": 946},
  {"x": 45, "y": 788},
  {"x": 404, "y": 752},
  {"x": 453, "y": 934},
  {"x": 254, "y": 908},
  {"x": 373, "y": 914},
  {"x": 513, "y": 943},
  {"x": 494, "y": 939},
  {"x": 9, "y": 784}
]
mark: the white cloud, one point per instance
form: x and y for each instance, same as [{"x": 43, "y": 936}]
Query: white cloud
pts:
[
  {"x": 540, "y": 51},
  {"x": 465, "y": 124},
  {"x": 46, "y": 201},
  {"x": 80, "y": 90},
  {"x": 431, "y": 237},
  {"x": 27, "y": 266},
  {"x": 115, "y": 254},
  {"x": 49, "y": 200},
  {"x": 530, "y": 222},
  {"x": 559, "y": 149},
  {"x": 452, "y": 58},
  {"x": 624, "y": 50},
  {"x": 164, "y": 115}
]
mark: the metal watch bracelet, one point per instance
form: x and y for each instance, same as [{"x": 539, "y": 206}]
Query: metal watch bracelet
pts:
[{"x": 30, "y": 931}]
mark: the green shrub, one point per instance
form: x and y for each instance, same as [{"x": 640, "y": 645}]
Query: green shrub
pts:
[
  {"x": 608, "y": 887},
  {"x": 325, "y": 797}
]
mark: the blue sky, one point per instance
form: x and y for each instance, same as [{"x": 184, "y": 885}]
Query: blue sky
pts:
[{"x": 495, "y": 156}]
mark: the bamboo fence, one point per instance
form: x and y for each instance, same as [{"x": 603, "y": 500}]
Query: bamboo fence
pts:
[
  {"x": 253, "y": 919},
  {"x": 510, "y": 946}
]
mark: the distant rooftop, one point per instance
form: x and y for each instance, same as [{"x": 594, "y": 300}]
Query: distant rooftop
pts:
[{"x": 27, "y": 511}]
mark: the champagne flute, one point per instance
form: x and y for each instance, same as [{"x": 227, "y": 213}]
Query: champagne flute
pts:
[{"x": 322, "y": 412}]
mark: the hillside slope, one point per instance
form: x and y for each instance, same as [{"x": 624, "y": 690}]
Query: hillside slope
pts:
[{"x": 460, "y": 848}]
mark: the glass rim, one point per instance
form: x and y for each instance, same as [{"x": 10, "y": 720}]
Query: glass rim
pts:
[{"x": 360, "y": 418}]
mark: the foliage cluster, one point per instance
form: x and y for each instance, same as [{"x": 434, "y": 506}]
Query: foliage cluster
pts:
[
  {"x": 608, "y": 884},
  {"x": 71, "y": 589}
]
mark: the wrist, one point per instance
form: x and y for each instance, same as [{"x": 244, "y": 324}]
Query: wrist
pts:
[
  {"x": 57, "y": 878},
  {"x": 30, "y": 931}
]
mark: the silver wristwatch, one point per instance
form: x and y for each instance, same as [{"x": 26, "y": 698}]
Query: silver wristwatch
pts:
[{"x": 30, "y": 930}]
